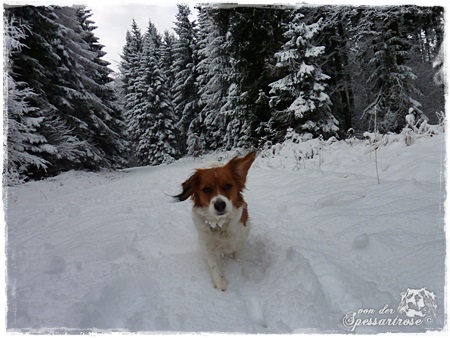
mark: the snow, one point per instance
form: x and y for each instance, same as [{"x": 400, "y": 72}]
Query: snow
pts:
[
  {"x": 111, "y": 251},
  {"x": 314, "y": 51}
]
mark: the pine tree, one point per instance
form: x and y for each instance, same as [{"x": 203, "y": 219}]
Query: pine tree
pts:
[
  {"x": 75, "y": 111},
  {"x": 213, "y": 69},
  {"x": 130, "y": 70},
  {"x": 129, "y": 65},
  {"x": 424, "y": 27},
  {"x": 392, "y": 80},
  {"x": 63, "y": 67},
  {"x": 25, "y": 143},
  {"x": 47, "y": 67},
  {"x": 335, "y": 61},
  {"x": 254, "y": 35},
  {"x": 300, "y": 98},
  {"x": 105, "y": 120},
  {"x": 184, "y": 90},
  {"x": 154, "y": 116},
  {"x": 166, "y": 58}
]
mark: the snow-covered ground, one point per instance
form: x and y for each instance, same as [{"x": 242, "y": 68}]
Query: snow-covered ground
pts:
[{"x": 108, "y": 251}]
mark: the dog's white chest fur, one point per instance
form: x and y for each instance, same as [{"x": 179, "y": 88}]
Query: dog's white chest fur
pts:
[{"x": 221, "y": 235}]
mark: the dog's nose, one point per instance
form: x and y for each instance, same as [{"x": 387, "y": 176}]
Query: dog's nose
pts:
[{"x": 220, "y": 205}]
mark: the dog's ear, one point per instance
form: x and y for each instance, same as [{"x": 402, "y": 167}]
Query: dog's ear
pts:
[
  {"x": 189, "y": 187},
  {"x": 241, "y": 165}
]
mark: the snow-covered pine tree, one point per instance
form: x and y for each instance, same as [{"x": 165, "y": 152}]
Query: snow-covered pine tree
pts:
[
  {"x": 392, "y": 81},
  {"x": 153, "y": 117},
  {"x": 47, "y": 67},
  {"x": 167, "y": 56},
  {"x": 254, "y": 34},
  {"x": 237, "y": 109},
  {"x": 184, "y": 90},
  {"x": 213, "y": 69},
  {"x": 104, "y": 119},
  {"x": 25, "y": 144},
  {"x": 64, "y": 69},
  {"x": 335, "y": 60},
  {"x": 300, "y": 98},
  {"x": 76, "y": 111},
  {"x": 196, "y": 142},
  {"x": 130, "y": 67},
  {"x": 238, "y": 132}
]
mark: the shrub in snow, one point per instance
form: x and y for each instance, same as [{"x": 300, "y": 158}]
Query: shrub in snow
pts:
[
  {"x": 350, "y": 137},
  {"x": 426, "y": 129},
  {"x": 408, "y": 136},
  {"x": 421, "y": 128},
  {"x": 295, "y": 150},
  {"x": 298, "y": 151},
  {"x": 412, "y": 131}
]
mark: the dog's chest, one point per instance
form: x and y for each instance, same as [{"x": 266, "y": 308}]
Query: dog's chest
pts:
[
  {"x": 221, "y": 235},
  {"x": 220, "y": 232},
  {"x": 225, "y": 239}
]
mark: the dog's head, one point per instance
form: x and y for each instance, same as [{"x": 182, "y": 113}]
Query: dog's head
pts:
[{"x": 218, "y": 190}]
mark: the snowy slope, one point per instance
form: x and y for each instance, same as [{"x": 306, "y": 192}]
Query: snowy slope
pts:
[{"x": 111, "y": 250}]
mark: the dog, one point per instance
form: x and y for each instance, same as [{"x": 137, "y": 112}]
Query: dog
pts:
[{"x": 220, "y": 213}]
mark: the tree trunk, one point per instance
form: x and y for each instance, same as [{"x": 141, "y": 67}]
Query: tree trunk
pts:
[{"x": 345, "y": 91}]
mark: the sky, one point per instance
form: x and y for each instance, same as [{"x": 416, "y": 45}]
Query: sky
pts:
[{"x": 113, "y": 21}]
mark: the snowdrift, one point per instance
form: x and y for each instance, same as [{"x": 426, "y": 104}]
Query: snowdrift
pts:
[{"x": 329, "y": 247}]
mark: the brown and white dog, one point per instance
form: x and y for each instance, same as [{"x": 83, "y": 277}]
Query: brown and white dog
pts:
[{"x": 220, "y": 213}]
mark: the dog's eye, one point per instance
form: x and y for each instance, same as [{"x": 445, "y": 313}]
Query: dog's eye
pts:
[
  {"x": 227, "y": 186},
  {"x": 207, "y": 190}
]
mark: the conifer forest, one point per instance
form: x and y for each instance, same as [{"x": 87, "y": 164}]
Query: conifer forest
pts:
[{"x": 236, "y": 77}]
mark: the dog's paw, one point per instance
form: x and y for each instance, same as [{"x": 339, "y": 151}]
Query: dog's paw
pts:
[{"x": 221, "y": 284}]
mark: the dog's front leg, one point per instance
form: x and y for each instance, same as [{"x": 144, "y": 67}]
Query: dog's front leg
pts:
[{"x": 215, "y": 269}]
